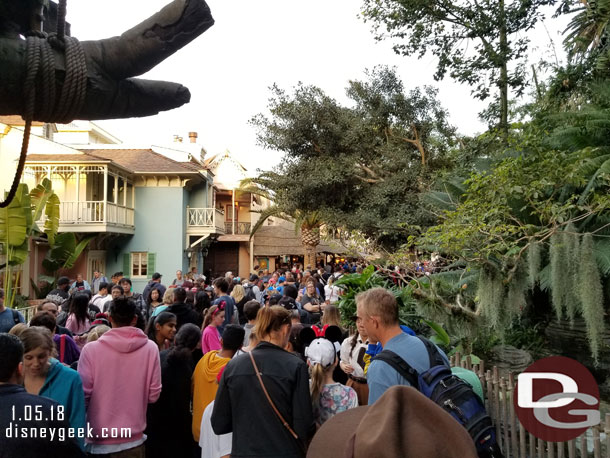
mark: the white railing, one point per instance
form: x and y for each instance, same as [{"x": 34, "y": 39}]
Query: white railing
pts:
[
  {"x": 92, "y": 212},
  {"x": 118, "y": 214},
  {"x": 212, "y": 218}
]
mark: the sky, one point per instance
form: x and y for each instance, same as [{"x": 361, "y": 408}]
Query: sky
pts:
[{"x": 253, "y": 45}]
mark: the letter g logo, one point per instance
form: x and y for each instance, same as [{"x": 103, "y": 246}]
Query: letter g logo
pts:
[{"x": 563, "y": 387}]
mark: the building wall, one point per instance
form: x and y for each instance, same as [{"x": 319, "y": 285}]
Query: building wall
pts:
[
  {"x": 160, "y": 219},
  {"x": 244, "y": 260},
  {"x": 243, "y": 210},
  {"x": 198, "y": 196}
]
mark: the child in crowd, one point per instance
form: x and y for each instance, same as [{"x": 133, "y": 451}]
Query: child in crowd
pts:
[
  {"x": 210, "y": 339},
  {"x": 162, "y": 329},
  {"x": 328, "y": 398}
]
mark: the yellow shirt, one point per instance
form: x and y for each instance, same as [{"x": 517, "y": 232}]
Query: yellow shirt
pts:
[{"x": 205, "y": 385}]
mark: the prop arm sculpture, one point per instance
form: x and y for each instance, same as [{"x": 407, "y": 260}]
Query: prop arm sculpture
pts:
[{"x": 111, "y": 91}]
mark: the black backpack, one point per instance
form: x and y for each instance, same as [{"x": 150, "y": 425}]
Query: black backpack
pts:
[
  {"x": 453, "y": 394},
  {"x": 250, "y": 296}
]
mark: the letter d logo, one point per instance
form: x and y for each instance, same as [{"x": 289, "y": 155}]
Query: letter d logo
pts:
[
  {"x": 556, "y": 399},
  {"x": 526, "y": 391}
]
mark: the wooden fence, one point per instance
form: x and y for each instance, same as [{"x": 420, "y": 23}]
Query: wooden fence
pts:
[{"x": 514, "y": 441}]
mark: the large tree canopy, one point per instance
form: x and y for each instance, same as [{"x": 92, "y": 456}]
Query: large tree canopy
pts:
[
  {"x": 478, "y": 42},
  {"x": 362, "y": 166}
]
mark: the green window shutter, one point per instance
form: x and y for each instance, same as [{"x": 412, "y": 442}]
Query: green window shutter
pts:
[
  {"x": 126, "y": 265},
  {"x": 152, "y": 257}
]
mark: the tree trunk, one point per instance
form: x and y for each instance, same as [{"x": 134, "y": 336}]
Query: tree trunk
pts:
[
  {"x": 310, "y": 256},
  {"x": 310, "y": 239},
  {"x": 503, "y": 82}
]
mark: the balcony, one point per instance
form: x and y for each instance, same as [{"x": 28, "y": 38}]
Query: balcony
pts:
[
  {"x": 238, "y": 229},
  {"x": 204, "y": 221},
  {"x": 95, "y": 216}
]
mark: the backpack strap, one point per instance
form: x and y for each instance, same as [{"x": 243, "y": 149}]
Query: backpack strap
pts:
[
  {"x": 434, "y": 355},
  {"x": 400, "y": 366},
  {"x": 62, "y": 348},
  {"x": 15, "y": 316}
]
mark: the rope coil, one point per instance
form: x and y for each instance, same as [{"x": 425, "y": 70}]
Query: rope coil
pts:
[{"x": 40, "y": 80}]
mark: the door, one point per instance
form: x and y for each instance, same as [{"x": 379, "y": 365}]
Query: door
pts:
[
  {"x": 222, "y": 257},
  {"x": 96, "y": 260}
]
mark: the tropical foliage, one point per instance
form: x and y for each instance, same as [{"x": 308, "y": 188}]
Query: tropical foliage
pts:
[{"x": 18, "y": 222}]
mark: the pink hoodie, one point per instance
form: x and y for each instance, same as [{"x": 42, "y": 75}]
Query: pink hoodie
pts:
[{"x": 121, "y": 374}]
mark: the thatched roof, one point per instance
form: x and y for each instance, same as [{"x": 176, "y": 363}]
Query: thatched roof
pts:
[{"x": 282, "y": 240}]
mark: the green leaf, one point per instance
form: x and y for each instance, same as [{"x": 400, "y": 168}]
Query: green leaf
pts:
[
  {"x": 78, "y": 249},
  {"x": 602, "y": 255},
  {"x": 14, "y": 221},
  {"x": 51, "y": 224},
  {"x": 441, "y": 334}
]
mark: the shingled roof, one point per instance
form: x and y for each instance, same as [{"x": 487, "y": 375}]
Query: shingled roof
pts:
[
  {"x": 143, "y": 161},
  {"x": 64, "y": 158},
  {"x": 281, "y": 240}
]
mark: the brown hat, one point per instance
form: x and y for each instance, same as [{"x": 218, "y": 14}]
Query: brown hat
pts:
[{"x": 401, "y": 423}]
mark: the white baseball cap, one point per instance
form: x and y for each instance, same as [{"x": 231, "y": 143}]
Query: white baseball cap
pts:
[{"x": 321, "y": 351}]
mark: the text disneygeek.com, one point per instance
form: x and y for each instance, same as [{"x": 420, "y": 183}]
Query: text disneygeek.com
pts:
[{"x": 17, "y": 431}]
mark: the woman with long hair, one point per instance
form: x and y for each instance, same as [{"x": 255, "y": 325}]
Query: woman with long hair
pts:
[
  {"x": 331, "y": 317},
  {"x": 161, "y": 329},
  {"x": 46, "y": 376},
  {"x": 210, "y": 339},
  {"x": 154, "y": 299},
  {"x": 168, "y": 299},
  {"x": 311, "y": 302},
  {"x": 168, "y": 421},
  {"x": 328, "y": 397},
  {"x": 239, "y": 296},
  {"x": 285, "y": 378},
  {"x": 78, "y": 317}
]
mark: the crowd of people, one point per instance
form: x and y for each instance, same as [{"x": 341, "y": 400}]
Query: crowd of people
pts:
[{"x": 256, "y": 367}]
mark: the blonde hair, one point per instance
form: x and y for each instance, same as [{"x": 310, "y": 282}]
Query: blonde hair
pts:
[
  {"x": 381, "y": 303},
  {"x": 318, "y": 373},
  {"x": 168, "y": 296},
  {"x": 18, "y": 329},
  {"x": 238, "y": 293},
  {"x": 331, "y": 316},
  {"x": 97, "y": 332},
  {"x": 270, "y": 319}
]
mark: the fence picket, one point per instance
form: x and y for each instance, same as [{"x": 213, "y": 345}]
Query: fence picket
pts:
[
  {"x": 532, "y": 446},
  {"x": 496, "y": 406},
  {"x": 572, "y": 449},
  {"x": 607, "y": 431},
  {"x": 511, "y": 436},
  {"x": 597, "y": 446},
  {"x": 513, "y": 420}
]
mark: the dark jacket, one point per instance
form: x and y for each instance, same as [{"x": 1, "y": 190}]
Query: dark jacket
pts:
[
  {"x": 61, "y": 330},
  {"x": 13, "y": 400},
  {"x": 185, "y": 314},
  {"x": 242, "y": 408},
  {"x": 229, "y": 309},
  {"x": 169, "y": 420}
]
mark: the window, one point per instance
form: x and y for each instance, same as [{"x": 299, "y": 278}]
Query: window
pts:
[
  {"x": 139, "y": 264},
  {"x": 229, "y": 213}
]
